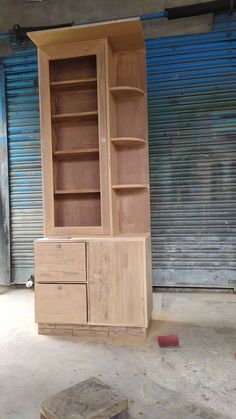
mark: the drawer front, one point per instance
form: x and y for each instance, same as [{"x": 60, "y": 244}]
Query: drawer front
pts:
[
  {"x": 61, "y": 303},
  {"x": 60, "y": 262}
]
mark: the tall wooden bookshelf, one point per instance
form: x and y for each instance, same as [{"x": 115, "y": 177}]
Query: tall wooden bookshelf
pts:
[{"x": 95, "y": 178}]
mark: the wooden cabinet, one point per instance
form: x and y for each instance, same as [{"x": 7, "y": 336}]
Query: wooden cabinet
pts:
[
  {"x": 93, "y": 107},
  {"x": 116, "y": 292}
]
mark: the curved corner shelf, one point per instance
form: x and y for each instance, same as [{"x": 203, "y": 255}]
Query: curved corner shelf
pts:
[
  {"x": 126, "y": 92},
  {"x": 128, "y": 141},
  {"x": 129, "y": 187}
]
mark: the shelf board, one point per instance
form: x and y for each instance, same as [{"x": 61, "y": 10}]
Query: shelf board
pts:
[
  {"x": 130, "y": 186},
  {"x": 128, "y": 141},
  {"x": 75, "y": 153},
  {"x": 76, "y": 191},
  {"x": 84, "y": 83},
  {"x": 126, "y": 92},
  {"x": 78, "y": 115}
]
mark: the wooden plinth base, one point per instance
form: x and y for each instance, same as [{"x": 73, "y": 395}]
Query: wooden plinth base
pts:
[{"x": 91, "y": 331}]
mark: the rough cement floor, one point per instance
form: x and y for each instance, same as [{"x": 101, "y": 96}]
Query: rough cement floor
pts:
[{"x": 197, "y": 380}]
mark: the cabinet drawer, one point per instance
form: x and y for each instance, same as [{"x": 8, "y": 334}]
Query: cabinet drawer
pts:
[
  {"x": 60, "y": 262},
  {"x": 61, "y": 303}
]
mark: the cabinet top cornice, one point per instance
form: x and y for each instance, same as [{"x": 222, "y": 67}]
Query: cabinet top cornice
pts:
[{"x": 122, "y": 34}]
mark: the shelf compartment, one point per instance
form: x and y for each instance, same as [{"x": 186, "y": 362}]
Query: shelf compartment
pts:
[
  {"x": 73, "y": 68},
  {"x": 87, "y": 83},
  {"x": 72, "y": 210},
  {"x": 129, "y": 187},
  {"x": 126, "y": 92},
  {"x": 73, "y": 101},
  {"x": 128, "y": 141},
  {"x": 77, "y": 174},
  {"x": 76, "y": 191},
  {"x": 75, "y": 115},
  {"x": 67, "y": 154},
  {"x": 72, "y": 135}
]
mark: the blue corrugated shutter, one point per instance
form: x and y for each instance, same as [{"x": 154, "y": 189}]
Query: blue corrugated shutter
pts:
[
  {"x": 24, "y": 157},
  {"x": 192, "y": 134}
]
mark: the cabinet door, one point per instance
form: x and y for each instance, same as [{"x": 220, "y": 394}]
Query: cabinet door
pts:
[
  {"x": 60, "y": 262},
  {"x": 116, "y": 280},
  {"x": 60, "y": 303},
  {"x": 74, "y": 138}
]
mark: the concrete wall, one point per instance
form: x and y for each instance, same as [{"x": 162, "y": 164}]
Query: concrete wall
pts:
[{"x": 51, "y": 12}]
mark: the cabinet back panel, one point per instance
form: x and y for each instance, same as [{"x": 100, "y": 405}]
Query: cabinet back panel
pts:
[
  {"x": 133, "y": 211},
  {"x": 130, "y": 118},
  {"x": 75, "y": 135},
  {"x": 132, "y": 165},
  {"x": 80, "y": 173},
  {"x": 78, "y": 211},
  {"x": 131, "y": 69},
  {"x": 74, "y": 101},
  {"x": 73, "y": 68}
]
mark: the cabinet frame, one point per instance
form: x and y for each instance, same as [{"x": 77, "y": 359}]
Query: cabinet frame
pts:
[{"x": 66, "y": 51}]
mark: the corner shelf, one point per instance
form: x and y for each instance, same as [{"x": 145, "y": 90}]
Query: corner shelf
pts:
[
  {"x": 90, "y": 82},
  {"x": 126, "y": 92},
  {"x": 128, "y": 141},
  {"x": 77, "y": 115},
  {"x": 63, "y": 154},
  {"x": 76, "y": 191},
  {"x": 129, "y": 187}
]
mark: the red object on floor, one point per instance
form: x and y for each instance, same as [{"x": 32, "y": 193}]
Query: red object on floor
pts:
[{"x": 165, "y": 341}]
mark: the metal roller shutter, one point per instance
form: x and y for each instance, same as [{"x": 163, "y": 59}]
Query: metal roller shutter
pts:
[
  {"x": 24, "y": 157},
  {"x": 192, "y": 134}
]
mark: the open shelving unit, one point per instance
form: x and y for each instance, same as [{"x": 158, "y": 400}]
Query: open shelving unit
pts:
[
  {"x": 75, "y": 142},
  {"x": 128, "y": 141},
  {"x": 94, "y": 266}
]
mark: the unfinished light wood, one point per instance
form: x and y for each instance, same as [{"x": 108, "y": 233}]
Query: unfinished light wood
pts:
[
  {"x": 130, "y": 186},
  {"x": 116, "y": 283},
  {"x": 123, "y": 34},
  {"x": 75, "y": 115},
  {"x": 71, "y": 136},
  {"x": 95, "y": 175},
  {"x": 61, "y": 303},
  {"x": 126, "y": 92},
  {"x": 73, "y": 209},
  {"x": 75, "y": 153},
  {"x": 76, "y": 191},
  {"x": 74, "y": 139},
  {"x": 128, "y": 142},
  {"x": 82, "y": 83},
  {"x": 60, "y": 262}
]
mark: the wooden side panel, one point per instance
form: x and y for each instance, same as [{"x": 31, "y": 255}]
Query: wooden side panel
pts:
[
  {"x": 148, "y": 283},
  {"x": 61, "y": 303},
  {"x": 46, "y": 143},
  {"x": 60, "y": 262},
  {"x": 116, "y": 276}
]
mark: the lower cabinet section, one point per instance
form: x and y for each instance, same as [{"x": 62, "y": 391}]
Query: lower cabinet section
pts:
[
  {"x": 61, "y": 303},
  {"x": 117, "y": 291}
]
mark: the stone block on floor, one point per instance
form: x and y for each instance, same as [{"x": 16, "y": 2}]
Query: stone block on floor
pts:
[{"x": 87, "y": 400}]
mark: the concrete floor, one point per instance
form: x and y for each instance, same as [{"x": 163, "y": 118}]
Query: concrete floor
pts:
[{"x": 197, "y": 380}]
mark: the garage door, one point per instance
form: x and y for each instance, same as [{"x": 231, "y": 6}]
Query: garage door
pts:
[
  {"x": 21, "y": 78},
  {"x": 192, "y": 133}
]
